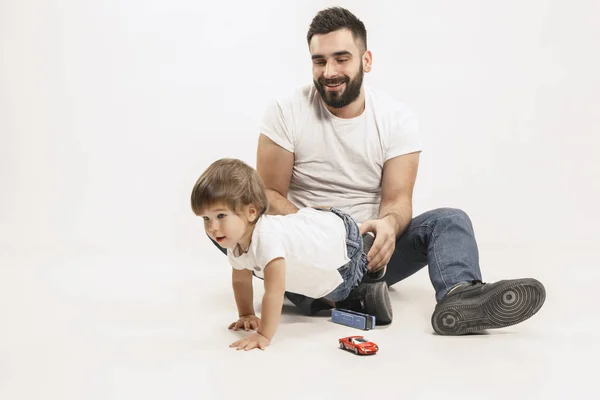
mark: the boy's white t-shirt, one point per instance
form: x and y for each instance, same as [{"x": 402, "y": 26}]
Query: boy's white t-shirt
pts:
[
  {"x": 312, "y": 242},
  {"x": 339, "y": 162}
]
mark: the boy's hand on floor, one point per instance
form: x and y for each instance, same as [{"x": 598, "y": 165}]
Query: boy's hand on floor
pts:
[
  {"x": 248, "y": 322},
  {"x": 252, "y": 341}
]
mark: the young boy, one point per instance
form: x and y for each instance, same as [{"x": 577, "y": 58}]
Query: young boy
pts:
[{"x": 314, "y": 253}]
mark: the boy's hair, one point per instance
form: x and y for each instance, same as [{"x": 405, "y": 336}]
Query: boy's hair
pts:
[
  {"x": 231, "y": 182},
  {"x": 335, "y": 18}
]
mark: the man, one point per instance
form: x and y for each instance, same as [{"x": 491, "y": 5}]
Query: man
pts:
[{"x": 340, "y": 143}]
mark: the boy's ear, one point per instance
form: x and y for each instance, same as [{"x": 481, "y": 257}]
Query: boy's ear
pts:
[{"x": 251, "y": 212}]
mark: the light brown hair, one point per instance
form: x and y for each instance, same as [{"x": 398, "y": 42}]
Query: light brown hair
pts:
[{"x": 232, "y": 182}]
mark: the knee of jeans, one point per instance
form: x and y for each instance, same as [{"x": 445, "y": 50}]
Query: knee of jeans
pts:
[
  {"x": 448, "y": 217},
  {"x": 453, "y": 213}
]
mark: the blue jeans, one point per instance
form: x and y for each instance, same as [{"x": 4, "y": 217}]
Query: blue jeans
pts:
[{"x": 444, "y": 240}]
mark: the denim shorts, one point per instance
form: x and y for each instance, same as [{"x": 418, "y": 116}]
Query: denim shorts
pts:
[{"x": 352, "y": 273}]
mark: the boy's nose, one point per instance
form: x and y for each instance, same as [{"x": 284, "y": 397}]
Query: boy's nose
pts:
[{"x": 212, "y": 226}]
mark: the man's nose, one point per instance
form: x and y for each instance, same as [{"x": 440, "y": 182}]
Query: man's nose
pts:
[{"x": 330, "y": 71}]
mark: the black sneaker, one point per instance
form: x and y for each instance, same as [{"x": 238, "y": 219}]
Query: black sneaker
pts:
[
  {"x": 479, "y": 306},
  {"x": 372, "y": 276},
  {"x": 370, "y": 298}
]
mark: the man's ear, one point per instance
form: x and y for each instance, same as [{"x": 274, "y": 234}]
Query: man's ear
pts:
[{"x": 367, "y": 61}]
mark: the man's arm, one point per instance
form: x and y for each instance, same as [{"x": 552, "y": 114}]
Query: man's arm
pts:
[
  {"x": 399, "y": 176},
  {"x": 395, "y": 208},
  {"x": 274, "y": 165}
]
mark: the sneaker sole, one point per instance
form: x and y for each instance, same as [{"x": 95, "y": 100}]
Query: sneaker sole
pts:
[
  {"x": 383, "y": 306},
  {"x": 507, "y": 304},
  {"x": 375, "y": 276}
]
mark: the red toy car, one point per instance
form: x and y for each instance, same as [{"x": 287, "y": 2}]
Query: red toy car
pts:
[{"x": 358, "y": 344}]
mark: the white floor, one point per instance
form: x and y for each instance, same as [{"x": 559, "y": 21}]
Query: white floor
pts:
[{"x": 140, "y": 327}]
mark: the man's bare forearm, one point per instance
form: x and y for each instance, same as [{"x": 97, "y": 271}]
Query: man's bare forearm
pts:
[
  {"x": 399, "y": 213},
  {"x": 279, "y": 205}
]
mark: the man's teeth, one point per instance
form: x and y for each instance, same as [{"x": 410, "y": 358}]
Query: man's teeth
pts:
[{"x": 334, "y": 84}]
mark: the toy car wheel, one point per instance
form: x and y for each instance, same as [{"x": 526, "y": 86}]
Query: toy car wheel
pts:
[
  {"x": 356, "y": 351},
  {"x": 342, "y": 345}
]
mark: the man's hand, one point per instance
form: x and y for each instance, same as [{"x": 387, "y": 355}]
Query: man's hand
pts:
[
  {"x": 247, "y": 322},
  {"x": 252, "y": 341},
  {"x": 384, "y": 244}
]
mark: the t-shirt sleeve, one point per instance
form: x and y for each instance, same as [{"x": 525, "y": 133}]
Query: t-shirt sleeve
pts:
[
  {"x": 277, "y": 125},
  {"x": 267, "y": 248},
  {"x": 404, "y": 137}
]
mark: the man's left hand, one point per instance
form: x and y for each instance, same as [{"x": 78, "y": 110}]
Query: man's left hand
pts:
[{"x": 384, "y": 244}]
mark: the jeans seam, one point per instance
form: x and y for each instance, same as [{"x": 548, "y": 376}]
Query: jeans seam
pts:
[{"x": 434, "y": 236}]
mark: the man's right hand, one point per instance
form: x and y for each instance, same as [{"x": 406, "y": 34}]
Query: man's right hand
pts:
[
  {"x": 383, "y": 245},
  {"x": 248, "y": 322}
]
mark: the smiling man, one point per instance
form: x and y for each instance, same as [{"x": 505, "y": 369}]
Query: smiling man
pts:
[{"x": 344, "y": 144}]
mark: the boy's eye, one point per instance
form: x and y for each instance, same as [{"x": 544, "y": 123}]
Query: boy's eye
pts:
[
  {"x": 205, "y": 218},
  {"x": 221, "y": 216}
]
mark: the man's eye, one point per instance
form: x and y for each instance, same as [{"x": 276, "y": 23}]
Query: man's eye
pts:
[
  {"x": 320, "y": 62},
  {"x": 342, "y": 61}
]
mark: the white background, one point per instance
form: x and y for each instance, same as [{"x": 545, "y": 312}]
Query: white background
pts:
[{"x": 110, "y": 110}]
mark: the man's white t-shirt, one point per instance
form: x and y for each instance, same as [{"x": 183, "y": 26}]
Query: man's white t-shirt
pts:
[
  {"x": 339, "y": 162},
  {"x": 312, "y": 242}
]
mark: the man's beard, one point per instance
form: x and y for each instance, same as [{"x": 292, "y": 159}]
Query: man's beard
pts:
[{"x": 350, "y": 93}]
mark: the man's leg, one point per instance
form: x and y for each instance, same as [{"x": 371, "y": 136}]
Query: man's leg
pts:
[{"x": 444, "y": 240}]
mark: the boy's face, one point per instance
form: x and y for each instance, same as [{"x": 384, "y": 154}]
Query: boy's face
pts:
[{"x": 226, "y": 227}]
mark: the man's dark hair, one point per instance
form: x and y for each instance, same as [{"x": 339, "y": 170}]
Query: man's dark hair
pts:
[{"x": 336, "y": 18}]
